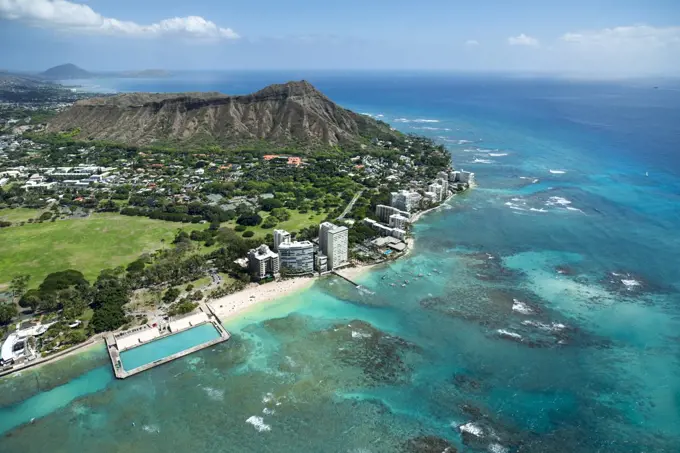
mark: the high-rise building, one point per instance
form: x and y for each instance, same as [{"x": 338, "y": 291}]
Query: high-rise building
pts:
[
  {"x": 466, "y": 177},
  {"x": 297, "y": 257},
  {"x": 385, "y": 212},
  {"x": 320, "y": 262},
  {"x": 334, "y": 243},
  {"x": 262, "y": 262},
  {"x": 405, "y": 200},
  {"x": 384, "y": 230},
  {"x": 279, "y": 237},
  {"x": 437, "y": 189},
  {"x": 398, "y": 221},
  {"x": 444, "y": 182}
]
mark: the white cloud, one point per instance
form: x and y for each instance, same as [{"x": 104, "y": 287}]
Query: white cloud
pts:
[
  {"x": 628, "y": 36},
  {"x": 523, "y": 40},
  {"x": 471, "y": 43},
  {"x": 76, "y": 17}
]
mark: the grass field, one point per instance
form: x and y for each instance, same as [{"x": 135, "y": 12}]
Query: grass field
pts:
[
  {"x": 19, "y": 214},
  {"x": 89, "y": 245},
  {"x": 296, "y": 222}
]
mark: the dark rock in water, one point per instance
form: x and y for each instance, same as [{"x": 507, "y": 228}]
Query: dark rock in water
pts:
[
  {"x": 565, "y": 270},
  {"x": 628, "y": 284},
  {"x": 429, "y": 302},
  {"x": 472, "y": 411},
  {"x": 466, "y": 383},
  {"x": 428, "y": 444},
  {"x": 380, "y": 356}
]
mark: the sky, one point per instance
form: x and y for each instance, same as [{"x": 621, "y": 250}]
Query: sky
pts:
[{"x": 599, "y": 38}]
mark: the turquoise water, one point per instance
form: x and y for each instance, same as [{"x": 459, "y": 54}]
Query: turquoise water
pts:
[
  {"x": 547, "y": 319},
  {"x": 160, "y": 349}
]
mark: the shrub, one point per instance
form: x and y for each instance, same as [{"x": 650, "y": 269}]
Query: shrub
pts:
[
  {"x": 248, "y": 234},
  {"x": 240, "y": 228}
]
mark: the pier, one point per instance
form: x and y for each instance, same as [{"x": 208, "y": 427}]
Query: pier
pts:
[
  {"x": 345, "y": 278},
  {"x": 116, "y": 344}
]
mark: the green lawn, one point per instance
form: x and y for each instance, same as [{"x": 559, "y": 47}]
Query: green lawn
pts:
[
  {"x": 296, "y": 222},
  {"x": 19, "y": 214},
  {"x": 89, "y": 245}
]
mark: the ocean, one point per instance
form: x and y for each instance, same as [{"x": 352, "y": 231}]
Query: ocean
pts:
[{"x": 541, "y": 314}]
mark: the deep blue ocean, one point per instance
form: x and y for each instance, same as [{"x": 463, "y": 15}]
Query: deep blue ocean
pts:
[{"x": 542, "y": 312}]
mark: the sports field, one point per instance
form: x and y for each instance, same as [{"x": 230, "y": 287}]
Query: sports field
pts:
[{"x": 89, "y": 245}]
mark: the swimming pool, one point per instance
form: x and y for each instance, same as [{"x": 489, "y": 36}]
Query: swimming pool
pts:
[{"x": 160, "y": 349}]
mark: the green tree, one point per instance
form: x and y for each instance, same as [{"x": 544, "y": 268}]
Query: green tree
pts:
[
  {"x": 171, "y": 295},
  {"x": 30, "y": 299},
  {"x": 18, "y": 286},
  {"x": 7, "y": 312}
]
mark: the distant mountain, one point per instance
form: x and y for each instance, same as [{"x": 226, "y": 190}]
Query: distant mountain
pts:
[
  {"x": 144, "y": 74},
  {"x": 66, "y": 71},
  {"x": 291, "y": 113},
  {"x": 22, "y": 80}
]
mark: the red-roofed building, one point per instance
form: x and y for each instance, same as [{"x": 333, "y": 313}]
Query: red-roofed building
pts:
[
  {"x": 270, "y": 156},
  {"x": 294, "y": 161},
  {"x": 358, "y": 167}
]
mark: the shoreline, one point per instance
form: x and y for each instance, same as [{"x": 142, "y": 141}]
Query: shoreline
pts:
[
  {"x": 227, "y": 308},
  {"x": 231, "y": 307},
  {"x": 77, "y": 349}
]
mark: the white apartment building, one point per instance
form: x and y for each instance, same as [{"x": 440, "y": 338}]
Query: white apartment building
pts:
[
  {"x": 405, "y": 200},
  {"x": 297, "y": 257},
  {"x": 385, "y": 212},
  {"x": 398, "y": 221},
  {"x": 384, "y": 230},
  {"x": 334, "y": 243},
  {"x": 280, "y": 236},
  {"x": 436, "y": 189},
  {"x": 263, "y": 262}
]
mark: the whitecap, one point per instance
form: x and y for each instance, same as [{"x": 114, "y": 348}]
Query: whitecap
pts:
[
  {"x": 521, "y": 307},
  {"x": 258, "y": 423},
  {"x": 538, "y": 210},
  {"x": 497, "y": 448},
  {"x": 268, "y": 397},
  {"x": 151, "y": 429},
  {"x": 356, "y": 334},
  {"x": 214, "y": 394},
  {"x": 498, "y": 154},
  {"x": 552, "y": 327},
  {"x": 510, "y": 334},
  {"x": 463, "y": 142},
  {"x": 630, "y": 283},
  {"x": 471, "y": 428},
  {"x": 559, "y": 201},
  {"x": 482, "y": 161},
  {"x": 557, "y": 172},
  {"x": 267, "y": 411},
  {"x": 419, "y": 120}
]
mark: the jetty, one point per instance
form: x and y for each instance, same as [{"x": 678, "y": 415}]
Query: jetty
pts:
[
  {"x": 345, "y": 278},
  {"x": 117, "y": 343}
]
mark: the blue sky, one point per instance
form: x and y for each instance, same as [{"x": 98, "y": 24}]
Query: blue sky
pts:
[{"x": 588, "y": 37}]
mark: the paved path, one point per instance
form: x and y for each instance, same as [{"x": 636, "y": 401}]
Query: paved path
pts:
[{"x": 350, "y": 205}]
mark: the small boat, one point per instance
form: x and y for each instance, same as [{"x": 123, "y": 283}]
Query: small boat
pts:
[{"x": 403, "y": 285}]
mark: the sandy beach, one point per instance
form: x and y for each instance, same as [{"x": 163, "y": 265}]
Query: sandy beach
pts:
[{"x": 230, "y": 306}]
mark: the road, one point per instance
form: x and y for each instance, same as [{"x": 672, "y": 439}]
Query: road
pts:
[{"x": 350, "y": 205}]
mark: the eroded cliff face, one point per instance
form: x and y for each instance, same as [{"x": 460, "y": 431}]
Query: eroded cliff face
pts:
[{"x": 294, "y": 112}]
